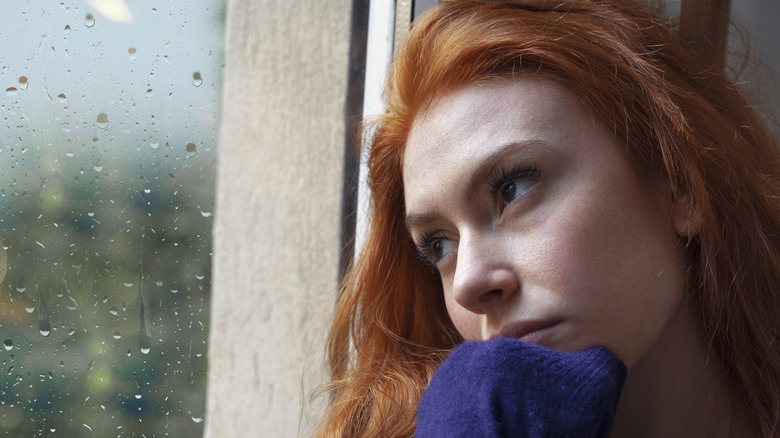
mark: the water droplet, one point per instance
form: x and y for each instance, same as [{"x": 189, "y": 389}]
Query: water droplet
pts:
[
  {"x": 67, "y": 28},
  {"x": 158, "y": 283},
  {"x": 21, "y": 289},
  {"x": 113, "y": 310},
  {"x": 154, "y": 145},
  {"x": 23, "y": 82},
  {"x": 138, "y": 395},
  {"x": 45, "y": 327},
  {"x": 197, "y": 419},
  {"x": 8, "y": 344},
  {"x": 98, "y": 168},
  {"x": 11, "y": 91},
  {"x": 128, "y": 284},
  {"x": 69, "y": 153},
  {"x": 131, "y": 53},
  {"x": 117, "y": 335},
  {"x": 174, "y": 291},
  {"x": 62, "y": 98},
  {"x": 205, "y": 213},
  {"x": 149, "y": 92},
  {"x": 29, "y": 309},
  {"x": 196, "y": 79},
  {"x": 145, "y": 329},
  {"x": 191, "y": 147},
  {"x": 102, "y": 120},
  {"x": 89, "y": 20},
  {"x": 75, "y": 304}
]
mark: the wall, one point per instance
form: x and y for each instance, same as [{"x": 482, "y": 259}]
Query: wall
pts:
[{"x": 276, "y": 251}]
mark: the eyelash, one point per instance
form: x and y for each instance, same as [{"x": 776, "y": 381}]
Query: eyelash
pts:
[
  {"x": 502, "y": 177},
  {"x": 424, "y": 245}
]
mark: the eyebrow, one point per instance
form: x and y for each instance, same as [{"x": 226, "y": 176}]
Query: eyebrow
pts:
[{"x": 485, "y": 166}]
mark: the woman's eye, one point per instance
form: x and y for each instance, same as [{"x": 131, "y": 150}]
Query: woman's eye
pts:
[
  {"x": 505, "y": 186},
  {"x": 442, "y": 247},
  {"x": 434, "y": 248},
  {"x": 511, "y": 190}
]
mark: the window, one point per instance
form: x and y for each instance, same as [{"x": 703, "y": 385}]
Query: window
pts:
[{"x": 107, "y": 173}]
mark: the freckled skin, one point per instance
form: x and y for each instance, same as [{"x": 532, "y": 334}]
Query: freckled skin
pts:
[{"x": 588, "y": 244}]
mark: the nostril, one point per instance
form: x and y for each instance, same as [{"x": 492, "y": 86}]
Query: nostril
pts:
[{"x": 490, "y": 295}]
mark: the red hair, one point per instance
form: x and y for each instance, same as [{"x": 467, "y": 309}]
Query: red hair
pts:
[{"x": 676, "y": 116}]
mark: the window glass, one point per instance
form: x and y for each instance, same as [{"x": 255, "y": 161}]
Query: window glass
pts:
[{"x": 107, "y": 167}]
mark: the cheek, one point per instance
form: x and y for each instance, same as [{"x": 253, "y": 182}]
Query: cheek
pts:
[
  {"x": 618, "y": 276},
  {"x": 468, "y": 324}
]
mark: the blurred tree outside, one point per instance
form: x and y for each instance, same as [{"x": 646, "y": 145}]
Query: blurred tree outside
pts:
[{"x": 107, "y": 174}]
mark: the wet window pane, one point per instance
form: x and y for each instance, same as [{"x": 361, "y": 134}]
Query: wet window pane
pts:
[{"x": 107, "y": 165}]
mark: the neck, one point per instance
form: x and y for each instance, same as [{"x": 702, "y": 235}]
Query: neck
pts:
[{"x": 677, "y": 389}]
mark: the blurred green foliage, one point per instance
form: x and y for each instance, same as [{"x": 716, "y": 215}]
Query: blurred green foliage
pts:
[
  {"x": 107, "y": 175},
  {"x": 88, "y": 252}
]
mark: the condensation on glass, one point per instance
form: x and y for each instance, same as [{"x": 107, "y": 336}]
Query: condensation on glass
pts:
[{"x": 107, "y": 169}]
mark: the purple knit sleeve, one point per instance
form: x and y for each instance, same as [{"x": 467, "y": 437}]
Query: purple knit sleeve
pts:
[{"x": 507, "y": 388}]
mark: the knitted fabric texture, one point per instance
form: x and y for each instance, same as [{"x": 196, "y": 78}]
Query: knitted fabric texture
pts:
[{"x": 507, "y": 388}]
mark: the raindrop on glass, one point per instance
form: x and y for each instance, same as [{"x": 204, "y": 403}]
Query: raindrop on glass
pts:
[
  {"x": 205, "y": 213},
  {"x": 45, "y": 327},
  {"x": 196, "y": 79},
  {"x": 23, "y": 82},
  {"x": 154, "y": 145},
  {"x": 191, "y": 147},
  {"x": 11, "y": 91},
  {"x": 67, "y": 28},
  {"x": 113, "y": 310},
  {"x": 102, "y": 120},
  {"x": 62, "y": 98},
  {"x": 149, "y": 92},
  {"x": 89, "y": 20},
  {"x": 197, "y": 419},
  {"x": 8, "y": 344},
  {"x": 117, "y": 335},
  {"x": 131, "y": 53}
]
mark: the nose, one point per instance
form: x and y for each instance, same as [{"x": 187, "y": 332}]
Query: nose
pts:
[{"x": 485, "y": 279}]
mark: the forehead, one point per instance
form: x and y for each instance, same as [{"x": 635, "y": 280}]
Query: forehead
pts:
[{"x": 475, "y": 120}]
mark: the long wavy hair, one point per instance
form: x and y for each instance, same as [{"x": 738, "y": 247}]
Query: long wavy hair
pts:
[{"x": 676, "y": 116}]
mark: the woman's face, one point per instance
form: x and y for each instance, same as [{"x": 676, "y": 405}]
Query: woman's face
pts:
[{"x": 539, "y": 227}]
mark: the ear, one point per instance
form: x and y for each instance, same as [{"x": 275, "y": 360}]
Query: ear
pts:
[{"x": 686, "y": 216}]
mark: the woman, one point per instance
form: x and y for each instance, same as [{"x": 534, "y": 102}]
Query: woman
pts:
[{"x": 578, "y": 180}]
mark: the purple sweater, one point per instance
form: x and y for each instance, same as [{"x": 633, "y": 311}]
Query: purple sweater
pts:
[{"x": 507, "y": 388}]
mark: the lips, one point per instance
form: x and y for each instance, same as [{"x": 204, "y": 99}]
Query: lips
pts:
[{"x": 532, "y": 332}]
